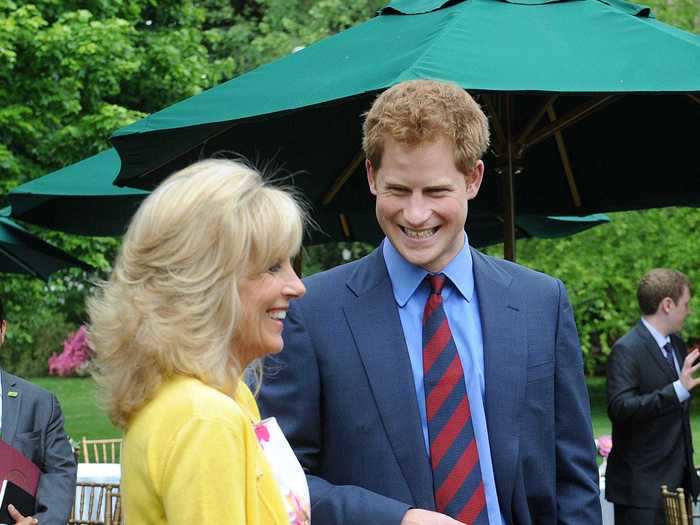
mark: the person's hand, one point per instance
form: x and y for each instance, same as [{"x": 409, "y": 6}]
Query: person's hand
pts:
[
  {"x": 426, "y": 517},
  {"x": 688, "y": 371},
  {"x": 19, "y": 519}
]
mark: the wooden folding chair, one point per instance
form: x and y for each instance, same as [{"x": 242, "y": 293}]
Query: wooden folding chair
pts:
[
  {"x": 116, "y": 506},
  {"x": 96, "y": 504},
  {"x": 101, "y": 450},
  {"x": 676, "y": 507}
]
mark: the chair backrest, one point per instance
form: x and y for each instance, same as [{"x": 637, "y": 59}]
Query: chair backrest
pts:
[
  {"x": 675, "y": 506},
  {"x": 96, "y": 504},
  {"x": 101, "y": 450},
  {"x": 117, "y": 518}
]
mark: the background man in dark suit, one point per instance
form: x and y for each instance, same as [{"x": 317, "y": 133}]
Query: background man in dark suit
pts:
[
  {"x": 427, "y": 383},
  {"x": 32, "y": 422},
  {"x": 650, "y": 377}
]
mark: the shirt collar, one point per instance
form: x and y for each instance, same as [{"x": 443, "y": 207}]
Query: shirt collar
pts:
[
  {"x": 661, "y": 340},
  {"x": 406, "y": 277}
]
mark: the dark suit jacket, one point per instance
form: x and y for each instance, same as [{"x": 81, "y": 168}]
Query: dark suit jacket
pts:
[
  {"x": 343, "y": 393},
  {"x": 652, "y": 443},
  {"x": 32, "y": 422}
]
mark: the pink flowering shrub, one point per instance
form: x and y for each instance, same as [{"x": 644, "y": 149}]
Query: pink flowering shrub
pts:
[
  {"x": 604, "y": 446},
  {"x": 75, "y": 356}
]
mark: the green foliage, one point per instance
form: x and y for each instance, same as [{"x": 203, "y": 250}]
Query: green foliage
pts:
[
  {"x": 601, "y": 269},
  {"x": 325, "y": 256},
  {"x": 684, "y": 14},
  {"x": 36, "y": 328},
  {"x": 74, "y": 71}
]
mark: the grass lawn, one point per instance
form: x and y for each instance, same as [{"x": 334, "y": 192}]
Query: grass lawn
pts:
[
  {"x": 85, "y": 418},
  {"x": 79, "y": 405}
]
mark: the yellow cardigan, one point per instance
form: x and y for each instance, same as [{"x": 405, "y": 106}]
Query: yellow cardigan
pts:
[{"x": 191, "y": 456}]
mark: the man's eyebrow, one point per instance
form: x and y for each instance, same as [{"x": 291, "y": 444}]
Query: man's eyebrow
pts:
[
  {"x": 396, "y": 185},
  {"x": 439, "y": 187}
]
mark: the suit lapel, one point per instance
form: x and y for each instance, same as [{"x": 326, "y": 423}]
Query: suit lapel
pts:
[
  {"x": 376, "y": 326},
  {"x": 10, "y": 406},
  {"x": 680, "y": 349},
  {"x": 655, "y": 352},
  {"x": 505, "y": 369}
]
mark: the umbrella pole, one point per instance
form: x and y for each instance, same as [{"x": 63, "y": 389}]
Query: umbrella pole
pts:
[{"x": 508, "y": 193}]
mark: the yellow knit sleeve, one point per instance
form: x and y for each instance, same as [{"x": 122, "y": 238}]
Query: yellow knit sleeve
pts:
[
  {"x": 205, "y": 473},
  {"x": 246, "y": 400}
]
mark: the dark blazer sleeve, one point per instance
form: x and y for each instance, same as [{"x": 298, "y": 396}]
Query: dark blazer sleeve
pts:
[
  {"x": 625, "y": 402},
  {"x": 578, "y": 494},
  {"x": 57, "y": 484},
  {"x": 294, "y": 398}
]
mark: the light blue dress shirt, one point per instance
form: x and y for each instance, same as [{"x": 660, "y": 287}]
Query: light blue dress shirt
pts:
[
  {"x": 681, "y": 393},
  {"x": 462, "y": 309}
]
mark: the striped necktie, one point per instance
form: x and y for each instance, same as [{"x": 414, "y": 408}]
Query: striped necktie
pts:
[{"x": 459, "y": 489}]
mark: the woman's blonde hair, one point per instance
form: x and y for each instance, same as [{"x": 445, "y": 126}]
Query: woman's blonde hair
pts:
[{"x": 171, "y": 305}]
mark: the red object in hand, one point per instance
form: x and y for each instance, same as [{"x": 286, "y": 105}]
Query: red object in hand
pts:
[{"x": 17, "y": 468}]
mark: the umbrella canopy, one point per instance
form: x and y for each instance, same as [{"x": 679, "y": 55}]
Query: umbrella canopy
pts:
[
  {"x": 490, "y": 229},
  {"x": 589, "y": 102},
  {"x": 22, "y": 252},
  {"x": 79, "y": 198}
]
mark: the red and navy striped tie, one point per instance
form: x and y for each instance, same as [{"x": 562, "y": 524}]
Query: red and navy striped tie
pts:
[{"x": 459, "y": 489}]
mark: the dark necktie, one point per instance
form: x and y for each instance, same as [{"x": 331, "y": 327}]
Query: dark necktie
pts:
[
  {"x": 459, "y": 489},
  {"x": 669, "y": 358}
]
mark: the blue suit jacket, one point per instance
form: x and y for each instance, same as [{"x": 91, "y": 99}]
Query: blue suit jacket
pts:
[{"x": 343, "y": 393}]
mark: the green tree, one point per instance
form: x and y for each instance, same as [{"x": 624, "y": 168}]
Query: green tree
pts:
[
  {"x": 601, "y": 269},
  {"x": 74, "y": 71}
]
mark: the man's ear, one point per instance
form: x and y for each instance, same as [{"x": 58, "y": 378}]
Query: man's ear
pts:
[
  {"x": 474, "y": 178},
  {"x": 665, "y": 305},
  {"x": 371, "y": 176}
]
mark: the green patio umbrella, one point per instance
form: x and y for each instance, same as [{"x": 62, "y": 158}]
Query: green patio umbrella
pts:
[
  {"x": 79, "y": 198},
  {"x": 24, "y": 253},
  {"x": 591, "y": 103},
  {"x": 490, "y": 229}
]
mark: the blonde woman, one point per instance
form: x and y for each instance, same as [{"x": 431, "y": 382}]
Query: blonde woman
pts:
[{"x": 198, "y": 294}]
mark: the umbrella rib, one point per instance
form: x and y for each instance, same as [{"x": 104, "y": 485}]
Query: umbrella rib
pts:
[
  {"x": 525, "y": 133},
  {"x": 344, "y": 224},
  {"x": 571, "y": 118},
  {"x": 694, "y": 97},
  {"x": 31, "y": 271},
  {"x": 342, "y": 178},
  {"x": 568, "y": 171}
]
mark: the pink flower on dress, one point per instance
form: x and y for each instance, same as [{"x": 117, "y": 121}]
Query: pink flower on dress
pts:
[
  {"x": 262, "y": 433},
  {"x": 297, "y": 513}
]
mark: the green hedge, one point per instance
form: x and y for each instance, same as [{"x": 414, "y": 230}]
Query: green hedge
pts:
[{"x": 602, "y": 267}]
